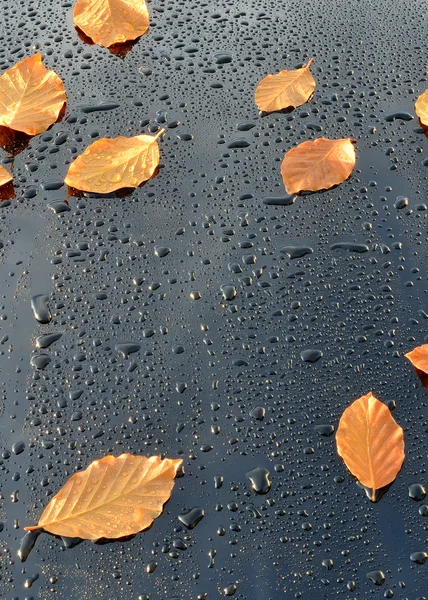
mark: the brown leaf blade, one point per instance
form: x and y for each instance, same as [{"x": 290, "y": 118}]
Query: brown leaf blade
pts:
[
  {"x": 112, "y": 498},
  {"x": 5, "y": 176},
  {"x": 110, "y": 164},
  {"x": 285, "y": 89},
  {"x": 31, "y": 96},
  {"x": 421, "y": 108},
  {"x": 370, "y": 442},
  {"x": 109, "y": 22},
  {"x": 317, "y": 165}
]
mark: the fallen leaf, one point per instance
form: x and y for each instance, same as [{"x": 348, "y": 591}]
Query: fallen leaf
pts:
[
  {"x": 112, "y": 498},
  {"x": 370, "y": 443},
  {"x": 419, "y": 359},
  {"x": 285, "y": 89},
  {"x": 421, "y": 108},
  {"x": 109, "y": 22},
  {"x": 113, "y": 163},
  {"x": 5, "y": 176},
  {"x": 317, "y": 165},
  {"x": 31, "y": 96}
]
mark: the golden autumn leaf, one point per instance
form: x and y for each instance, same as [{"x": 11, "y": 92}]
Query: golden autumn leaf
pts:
[
  {"x": 113, "y": 163},
  {"x": 285, "y": 89},
  {"x": 370, "y": 443},
  {"x": 31, "y": 96},
  {"x": 421, "y": 108},
  {"x": 317, "y": 165},
  {"x": 419, "y": 359},
  {"x": 5, "y": 176},
  {"x": 109, "y": 22},
  {"x": 112, "y": 498}
]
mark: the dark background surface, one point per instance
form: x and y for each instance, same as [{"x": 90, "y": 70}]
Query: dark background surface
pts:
[{"x": 363, "y": 311}]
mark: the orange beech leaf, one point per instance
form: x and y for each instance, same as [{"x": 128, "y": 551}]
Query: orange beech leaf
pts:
[
  {"x": 112, "y": 498},
  {"x": 370, "y": 443},
  {"x": 31, "y": 97},
  {"x": 285, "y": 89},
  {"x": 317, "y": 165},
  {"x": 109, "y": 22},
  {"x": 5, "y": 176},
  {"x": 421, "y": 108},
  {"x": 419, "y": 359},
  {"x": 113, "y": 163}
]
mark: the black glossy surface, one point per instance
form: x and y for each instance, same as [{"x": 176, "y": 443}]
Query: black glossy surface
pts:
[{"x": 219, "y": 380}]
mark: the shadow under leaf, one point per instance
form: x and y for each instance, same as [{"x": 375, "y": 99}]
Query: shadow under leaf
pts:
[
  {"x": 120, "y": 50},
  {"x": 12, "y": 141},
  {"x": 122, "y": 193},
  {"x": 422, "y": 376},
  {"x": 7, "y": 192},
  {"x": 375, "y": 495},
  {"x": 29, "y": 540}
]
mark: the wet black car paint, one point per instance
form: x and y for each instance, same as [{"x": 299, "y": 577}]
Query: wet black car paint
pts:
[{"x": 205, "y": 367}]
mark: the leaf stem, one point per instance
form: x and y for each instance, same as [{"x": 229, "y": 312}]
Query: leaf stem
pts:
[{"x": 159, "y": 133}]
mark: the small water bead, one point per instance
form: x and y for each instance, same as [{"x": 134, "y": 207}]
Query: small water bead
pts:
[
  {"x": 350, "y": 247},
  {"x": 230, "y": 590},
  {"x": 18, "y": 448},
  {"x": 417, "y": 491},
  {"x": 27, "y": 544},
  {"x": 40, "y": 361},
  {"x": 229, "y": 292},
  {"x": 192, "y": 517},
  {"x": 325, "y": 430},
  {"x": 285, "y": 200},
  {"x": 238, "y": 143},
  {"x": 127, "y": 348},
  {"x": 161, "y": 251},
  {"x": 151, "y": 567},
  {"x": 401, "y": 202},
  {"x": 311, "y": 355},
  {"x": 296, "y": 251},
  {"x": 39, "y": 304},
  {"x": 259, "y": 478},
  {"x": 258, "y": 413},
  {"x": 376, "y": 577},
  {"x": 419, "y": 558},
  {"x": 223, "y": 57},
  {"x": 400, "y": 115}
]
